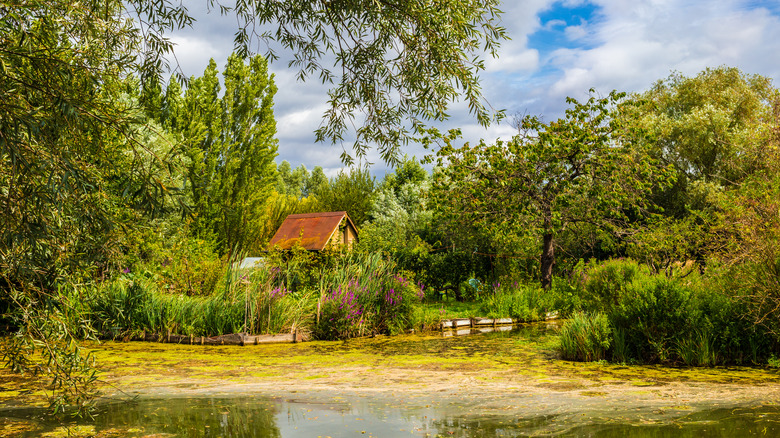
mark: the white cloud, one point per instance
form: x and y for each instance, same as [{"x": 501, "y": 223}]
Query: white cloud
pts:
[
  {"x": 643, "y": 42},
  {"x": 574, "y": 33}
]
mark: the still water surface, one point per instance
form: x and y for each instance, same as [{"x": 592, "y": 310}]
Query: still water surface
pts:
[
  {"x": 367, "y": 416},
  {"x": 322, "y": 413}
]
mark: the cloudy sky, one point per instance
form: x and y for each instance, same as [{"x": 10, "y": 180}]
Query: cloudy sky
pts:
[{"x": 557, "y": 49}]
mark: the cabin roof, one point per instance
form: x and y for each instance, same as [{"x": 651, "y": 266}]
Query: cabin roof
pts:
[{"x": 312, "y": 231}]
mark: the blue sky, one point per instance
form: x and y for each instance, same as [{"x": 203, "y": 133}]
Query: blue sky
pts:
[{"x": 557, "y": 49}]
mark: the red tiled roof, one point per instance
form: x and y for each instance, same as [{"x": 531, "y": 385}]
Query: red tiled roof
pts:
[{"x": 312, "y": 231}]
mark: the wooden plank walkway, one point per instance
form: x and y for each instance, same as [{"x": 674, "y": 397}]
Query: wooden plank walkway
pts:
[{"x": 231, "y": 339}]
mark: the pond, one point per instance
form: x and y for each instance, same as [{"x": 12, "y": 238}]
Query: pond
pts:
[
  {"x": 487, "y": 385},
  {"x": 247, "y": 415}
]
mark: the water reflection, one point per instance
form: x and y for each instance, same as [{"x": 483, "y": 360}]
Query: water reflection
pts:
[{"x": 367, "y": 416}]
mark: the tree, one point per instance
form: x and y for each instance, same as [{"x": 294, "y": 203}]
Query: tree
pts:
[
  {"x": 314, "y": 182},
  {"x": 714, "y": 131},
  {"x": 352, "y": 192},
  {"x": 291, "y": 181},
  {"x": 399, "y": 63},
  {"x": 400, "y": 220},
  {"x": 575, "y": 169},
  {"x": 713, "y": 128},
  {"x": 231, "y": 147}
]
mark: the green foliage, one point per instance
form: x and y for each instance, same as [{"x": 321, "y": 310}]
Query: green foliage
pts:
[
  {"x": 352, "y": 192},
  {"x": 586, "y": 337},
  {"x": 713, "y": 127},
  {"x": 400, "y": 65},
  {"x": 654, "y": 315},
  {"x": 677, "y": 316},
  {"x": 605, "y": 283},
  {"x": 400, "y": 220},
  {"x": 255, "y": 301},
  {"x": 697, "y": 349},
  {"x": 577, "y": 169},
  {"x": 521, "y": 302},
  {"x": 230, "y": 144},
  {"x": 663, "y": 241},
  {"x": 751, "y": 231},
  {"x": 289, "y": 181},
  {"x": 165, "y": 251}
]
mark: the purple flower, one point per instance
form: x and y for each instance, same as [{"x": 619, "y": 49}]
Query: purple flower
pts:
[{"x": 126, "y": 271}]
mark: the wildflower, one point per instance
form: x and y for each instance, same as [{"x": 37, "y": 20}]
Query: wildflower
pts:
[{"x": 126, "y": 270}]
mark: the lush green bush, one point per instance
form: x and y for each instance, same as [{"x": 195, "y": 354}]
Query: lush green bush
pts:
[
  {"x": 654, "y": 314},
  {"x": 166, "y": 253},
  {"x": 680, "y": 316},
  {"x": 586, "y": 337},
  {"x": 604, "y": 283}
]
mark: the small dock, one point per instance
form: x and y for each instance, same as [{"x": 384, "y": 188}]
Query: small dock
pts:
[{"x": 473, "y": 326}]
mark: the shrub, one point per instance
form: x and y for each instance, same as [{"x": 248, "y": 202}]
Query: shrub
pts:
[
  {"x": 603, "y": 283},
  {"x": 585, "y": 337},
  {"x": 364, "y": 295},
  {"x": 653, "y": 313}
]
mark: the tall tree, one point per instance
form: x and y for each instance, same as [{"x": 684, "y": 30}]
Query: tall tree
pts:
[
  {"x": 352, "y": 192},
  {"x": 231, "y": 146},
  {"x": 314, "y": 182},
  {"x": 575, "y": 169},
  {"x": 713, "y": 128}
]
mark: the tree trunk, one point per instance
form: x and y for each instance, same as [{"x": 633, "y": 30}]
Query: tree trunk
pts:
[{"x": 548, "y": 259}]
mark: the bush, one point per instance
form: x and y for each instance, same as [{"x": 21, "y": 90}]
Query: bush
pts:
[
  {"x": 586, "y": 337},
  {"x": 364, "y": 295},
  {"x": 682, "y": 317},
  {"x": 604, "y": 283},
  {"x": 653, "y": 313}
]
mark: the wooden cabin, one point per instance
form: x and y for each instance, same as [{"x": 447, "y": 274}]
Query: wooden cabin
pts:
[{"x": 315, "y": 231}]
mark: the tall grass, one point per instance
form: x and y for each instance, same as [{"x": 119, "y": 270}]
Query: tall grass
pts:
[
  {"x": 359, "y": 295},
  {"x": 586, "y": 337},
  {"x": 697, "y": 349},
  {"x": 254, "y": 301},
  {"x": 521, "y": 302}
]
